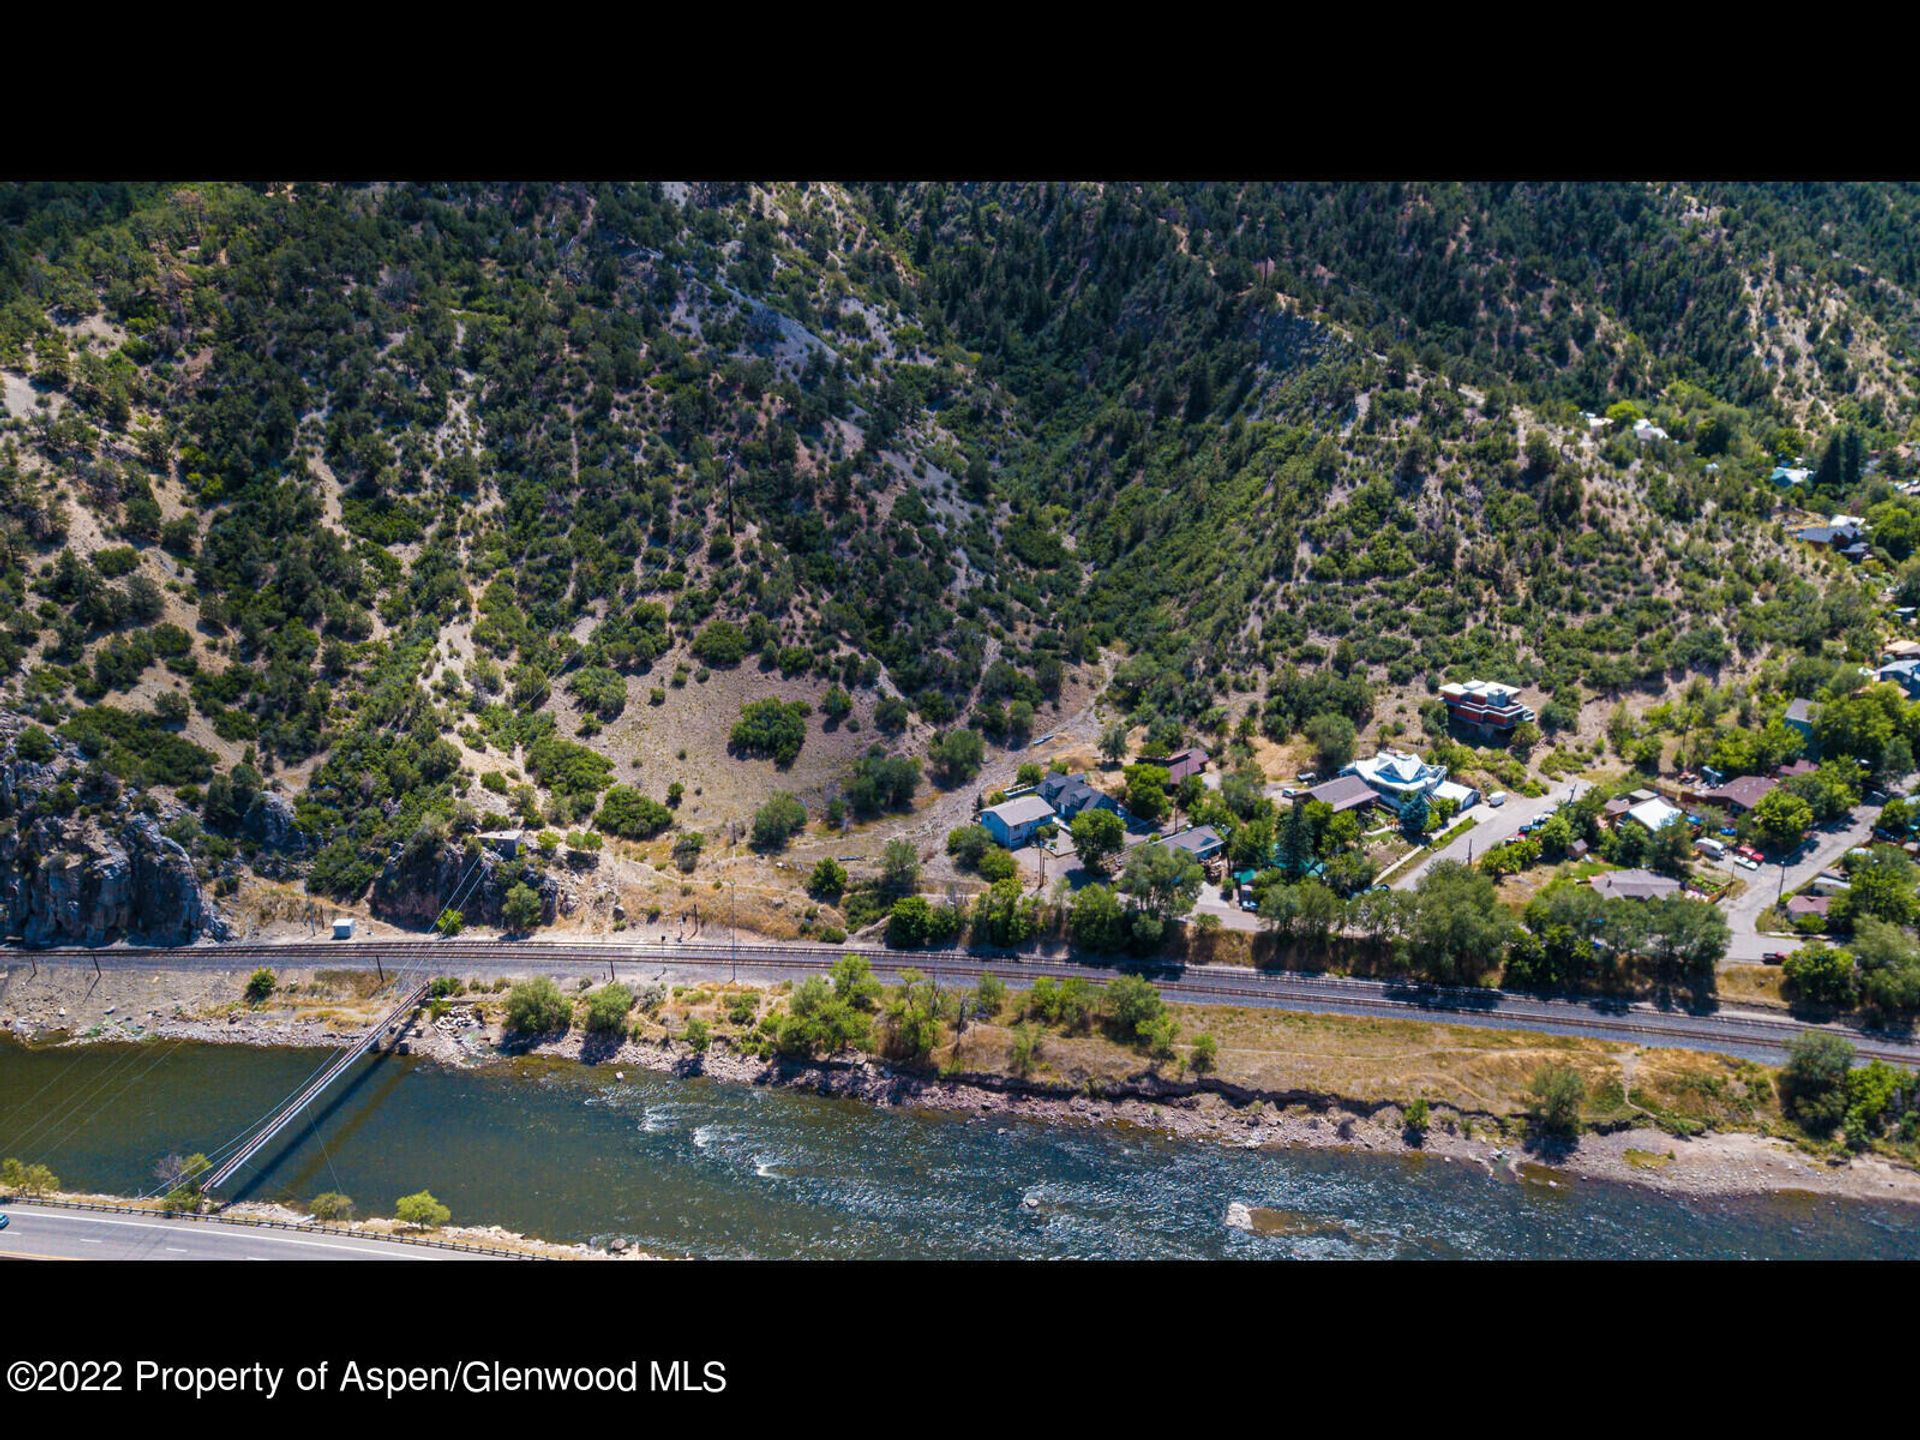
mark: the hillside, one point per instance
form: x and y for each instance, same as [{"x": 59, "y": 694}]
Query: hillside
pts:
[{"x": 437, "y": 509}]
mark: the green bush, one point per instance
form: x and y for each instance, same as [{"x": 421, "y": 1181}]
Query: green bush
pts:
[{"x": 536, "y": 1007}]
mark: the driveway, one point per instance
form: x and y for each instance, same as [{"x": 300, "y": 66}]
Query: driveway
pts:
[
  {"x": 1764, "y": 886},
  {"x": 1491, "y": 827}
]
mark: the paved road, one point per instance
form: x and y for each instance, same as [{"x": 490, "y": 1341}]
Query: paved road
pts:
[
  {"x": 41, "y": 1232},
  {"x": 1764, "y": 885},
  {"x": 1752, "y": 1034},
  {"x": 1492, "y": 826}
]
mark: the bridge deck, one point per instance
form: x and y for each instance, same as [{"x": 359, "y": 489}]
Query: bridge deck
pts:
[{"x": 336, "y": 1067}]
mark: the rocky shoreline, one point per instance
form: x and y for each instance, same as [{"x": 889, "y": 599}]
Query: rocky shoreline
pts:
[{"x": 1715, "y": 1164}]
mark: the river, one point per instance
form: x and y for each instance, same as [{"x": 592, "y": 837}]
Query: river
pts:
[{"x": 708, "y": 1168}]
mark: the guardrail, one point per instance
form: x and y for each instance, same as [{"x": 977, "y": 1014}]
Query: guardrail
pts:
[{"x": 263, "y": 1223}]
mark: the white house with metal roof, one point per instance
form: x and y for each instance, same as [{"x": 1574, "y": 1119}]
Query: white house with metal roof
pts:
[{"x": 1397, "y": 775}]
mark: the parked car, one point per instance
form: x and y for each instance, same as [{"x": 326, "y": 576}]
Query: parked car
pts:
[
  {"x": 1306, "y": 777},
  {"x": 1497, "y": 799},
  {"x": 1746, "y": 864},
  {"x": 1774, "y": 957},
  {"x": 4, "y": 1221},
  {"x": 1728, "y": 831},
  {"x": 1751, "y": 853},
  {"x": 1695, "y": 821}
]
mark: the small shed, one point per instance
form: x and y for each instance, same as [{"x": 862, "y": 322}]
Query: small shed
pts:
[{"x": 343, "y": 927}]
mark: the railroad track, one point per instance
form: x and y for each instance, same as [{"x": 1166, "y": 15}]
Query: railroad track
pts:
[{"x": 1456, "y": 1005}]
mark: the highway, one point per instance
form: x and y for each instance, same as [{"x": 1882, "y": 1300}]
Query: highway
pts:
[
  {"x": 1754, "y": 1035},
  {"x": 44, "y": 1232}
]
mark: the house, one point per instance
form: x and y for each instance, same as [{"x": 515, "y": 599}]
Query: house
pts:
[
  {"x": 1068, "y": 795},
  {"x": 1343, "y": 792},
  {"x": 1645, "y": 430},
  {"x": 1595, "y": 423},
  {"x": 1800, "y": 716},
  {"x": 1203, "y": 842},
  {"x": 1836, "y": 537},
  {"x": 1655, "y": 814},
  {"x": 1397, "y": 775},
  {"x": 1190, "y": 761},
  {"x": 343, "y": 927},
  {"x": 1739, "y": 795},
  {"x": 1789, "y": 477},
  {"x": 1799, "y": 767},
  {"x": 1485, "y": 704},
  {"x": 1900, "y": 650},
  {"x": 1616, "y": 807},
  {"x": 1464, "y": 797},
  {"x": 1635, "y": 885},
  {"x": 1577, "y": 850},
  {"x": 1013, "y": 822},
  {"x": 1904, "y": 673},
  {"x": 1799, "y": 905}
]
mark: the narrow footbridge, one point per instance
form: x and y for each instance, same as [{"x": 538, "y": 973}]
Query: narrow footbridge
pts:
[{"x": 314, "y": 1088}]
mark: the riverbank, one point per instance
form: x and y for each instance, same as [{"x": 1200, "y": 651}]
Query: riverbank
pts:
[{"x": 1283, "y": 1080}]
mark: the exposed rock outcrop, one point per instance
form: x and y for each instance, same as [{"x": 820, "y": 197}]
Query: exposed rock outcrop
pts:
[
  {"x": 94, "y": 875},
  {"x": 425, "y": 876},
  {"x": 269, "y": 823}
]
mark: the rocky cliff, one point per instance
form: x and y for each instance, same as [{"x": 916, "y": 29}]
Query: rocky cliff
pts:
[
  {"x": 83, "y": 865},
  {"x": 427, "y": 875}
]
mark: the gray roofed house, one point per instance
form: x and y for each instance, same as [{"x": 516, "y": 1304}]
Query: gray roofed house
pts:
[
  {"x": 1070, "y": 794},
  {"x": 1635, "y": 885},
  {"x": 1343, "y": 792},
  {"x": 1203, "y": 842},
  {"x": 1800, "y": 716},
  {"x": 1739, "y": 794}
]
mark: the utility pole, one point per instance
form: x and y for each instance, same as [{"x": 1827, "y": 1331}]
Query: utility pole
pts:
[{"x": 733, "y": 925}]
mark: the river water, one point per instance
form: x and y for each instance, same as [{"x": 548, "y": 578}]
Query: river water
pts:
[{"x": 702, "y": 1167}]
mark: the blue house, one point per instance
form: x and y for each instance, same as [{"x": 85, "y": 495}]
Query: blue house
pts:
[
  {"x": 1013, "y": 822},
  {"x": 1800, "y": 716},
  {"x": 1904, "y": 673}
]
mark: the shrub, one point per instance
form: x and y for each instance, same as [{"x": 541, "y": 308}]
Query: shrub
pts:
[
  {"x": 34, "y": 744},
  {"x": 698, "y": 1035},
  {"x": 421, "y": 1211},
  {"x": 331, "y": 1205},
  {"x": 607, "y": 1009},
  {"x": 522, "y": 909},
  {"x": 1558, "y": 1093},
  {"x": 720, "y": 642},
  {"x": 1813, "y": 1084},
  {"x": 625, "y": 811},
  {"x": 536, "y": 1007},
  {"x": 778, "y": 820},
  {"x": 828, "y": 881},
  {"x": 261, "y": 984},
  {"x": 773, "y": 728}
]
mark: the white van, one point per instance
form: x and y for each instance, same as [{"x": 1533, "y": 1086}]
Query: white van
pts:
[
  {"x": 1710, "y": 847},
  {"x": 1497, "y": 799}
]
